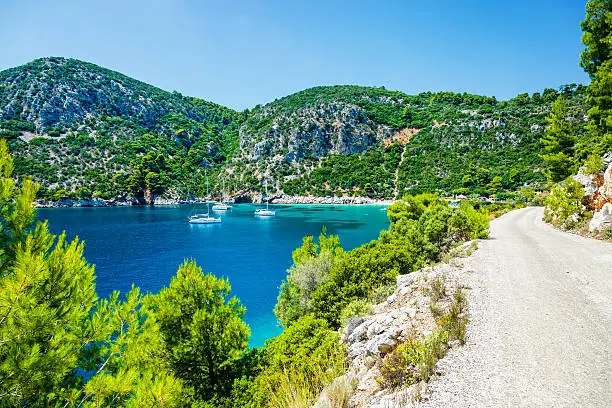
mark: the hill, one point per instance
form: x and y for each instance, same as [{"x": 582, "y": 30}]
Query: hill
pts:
[
  {"x": 81, "y": 130},
  {"x": 343, "y": 140},
  {"x": 74, "y": 125}
]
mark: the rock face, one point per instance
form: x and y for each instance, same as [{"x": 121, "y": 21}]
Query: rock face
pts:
[
  {"x": 406, "y": 314},
  {"x": 598, "y": 190},
  {"x": 329, "y": 128}
]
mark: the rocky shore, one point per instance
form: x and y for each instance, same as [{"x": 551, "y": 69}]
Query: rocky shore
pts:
[
  {"x": 97, "y": 202},
  {"x": 286, "y": 199},
  {"x": 254, "y": 198}
]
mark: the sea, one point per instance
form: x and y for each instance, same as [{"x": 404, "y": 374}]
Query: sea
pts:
[{"x": 144, "y": 245}]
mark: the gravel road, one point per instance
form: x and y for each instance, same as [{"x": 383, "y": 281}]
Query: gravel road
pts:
[{"x": 540, "y": 332}]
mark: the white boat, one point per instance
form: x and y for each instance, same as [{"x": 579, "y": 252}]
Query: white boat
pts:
[
  {"x": 221, "y": 207},
  {"x": 204, "y": 218},
  {"x": 260, "y": 212}
]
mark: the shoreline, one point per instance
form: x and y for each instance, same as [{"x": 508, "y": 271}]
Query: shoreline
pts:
[{"x": 165, "y": 202}]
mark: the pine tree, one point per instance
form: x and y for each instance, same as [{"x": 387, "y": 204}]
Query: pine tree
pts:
[
  {"x": 46, "y": 295},
  {"x": 559, "y": 143},
  {"x": 202, "y": 329},
  {"x": 597, "y": 62}
]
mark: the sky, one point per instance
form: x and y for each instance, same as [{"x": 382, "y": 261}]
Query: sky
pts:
[{"x": 244, "y": 53}]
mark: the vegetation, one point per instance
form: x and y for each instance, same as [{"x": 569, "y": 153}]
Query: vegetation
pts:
[
  {"x": 568, "y": 148},
  {"x": 596, "y": 59},
  {"x": 559, "y": 143},
  {"x": 432, "y": 142},
  {"x": 415, "y": 360},
  {"x": 339, "y": 284},
  {"x": 564, "y": 205},
  {"x": 105, "y": 135},
  {"x": 60, "y": 345}
]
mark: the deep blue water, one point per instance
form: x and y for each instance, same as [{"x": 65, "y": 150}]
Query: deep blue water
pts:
[{"x": 145, "y": 245}]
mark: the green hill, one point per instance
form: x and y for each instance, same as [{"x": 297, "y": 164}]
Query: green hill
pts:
[{"x": 81, "y": 130}]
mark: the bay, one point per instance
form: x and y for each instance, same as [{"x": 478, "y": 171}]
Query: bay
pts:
[{"x": 143, "y": 246}]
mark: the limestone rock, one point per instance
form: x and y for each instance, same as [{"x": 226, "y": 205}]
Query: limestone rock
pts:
[{"x": 602, "y": 219}]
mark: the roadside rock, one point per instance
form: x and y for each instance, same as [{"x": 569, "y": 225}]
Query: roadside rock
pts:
[
  {"x": 602, "y": 202},
  {"x": 602, "y": 219},
  {"x": 406, "y": 314}
]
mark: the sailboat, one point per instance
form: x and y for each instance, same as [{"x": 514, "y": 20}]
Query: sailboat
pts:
[
  {"x": 204, "y": 218},
  {"x": 222, "y": 206},
  {"x": 260, "y": 212}
]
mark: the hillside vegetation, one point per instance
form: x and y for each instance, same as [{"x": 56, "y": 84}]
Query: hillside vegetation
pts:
[{"x": 84, "y": 131}]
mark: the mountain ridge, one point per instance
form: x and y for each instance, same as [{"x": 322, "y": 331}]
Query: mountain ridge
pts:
[{"x": 82, "y": 130}]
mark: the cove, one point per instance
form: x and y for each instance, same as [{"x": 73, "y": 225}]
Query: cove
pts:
[{"x": 145, "y": 245}]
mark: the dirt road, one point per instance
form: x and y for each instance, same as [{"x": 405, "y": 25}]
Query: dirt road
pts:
[{"x": 540, "y": 333}]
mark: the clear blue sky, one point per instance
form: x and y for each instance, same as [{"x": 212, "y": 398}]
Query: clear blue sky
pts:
[{"x": 241, "y": 53}]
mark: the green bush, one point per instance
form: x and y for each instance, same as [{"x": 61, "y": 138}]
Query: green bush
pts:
[
  {"x": 294, "y": 367},
  {"x": 564, "y": 205},
  {"x": 357, "y": 307}
]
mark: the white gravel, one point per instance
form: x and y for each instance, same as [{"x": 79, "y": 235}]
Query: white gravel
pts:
[{"x": 540, "y": 332}]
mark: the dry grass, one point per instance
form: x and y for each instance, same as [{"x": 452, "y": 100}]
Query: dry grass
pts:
[
  {"x": 301, "y": 388},
  {"x": 437, "y": 289},
  {"x": 339, "y": 393}
]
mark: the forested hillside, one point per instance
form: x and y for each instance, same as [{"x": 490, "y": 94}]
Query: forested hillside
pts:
[{"x": 84, "y": 131}]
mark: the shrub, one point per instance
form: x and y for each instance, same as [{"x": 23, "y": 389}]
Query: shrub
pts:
[
  {"x": 357, "y": 307},
  {"x": 437, "y": 289},
  {"x": 414, "y": 360},
  {"x": 295, "y": 366},
  {"x": 312, "y": 264},
  {"x": 564, "y": 206},
  {"x": 455, "y": 321},
  {"x": 593, "y": 164}
]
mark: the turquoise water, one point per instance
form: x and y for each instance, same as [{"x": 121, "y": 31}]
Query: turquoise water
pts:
[{"x": 145, "y": 245}]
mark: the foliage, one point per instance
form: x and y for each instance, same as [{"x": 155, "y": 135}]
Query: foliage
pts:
[
  {"x": 106, "y": 121},
  {"x": 564, "y": 206},
  {"x": 414, "y": 360},
  {"x": 455, "y": 321},
  {"x": 311, "y": 267},
  {"x": 423, "y": 228},
  {"x": 357, "y": 307},
  {"x": 58, "y": 346},
  {"x": 96, "y": 146},
  {"x": 370, "y": 173},
  {"x": 203, "y": 331},
  {"x": 594, "y": 164},
  {"x": 127, "y": 360},
  {"x": 559, "y": 141},
  {"x": 295, "y": 366},
  {"x": 46, "y": 296},
  {"x": 596, "y": 59}
]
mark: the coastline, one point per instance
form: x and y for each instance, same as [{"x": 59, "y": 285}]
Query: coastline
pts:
[
  {"x": 286, "y": 199},
  {"x": 161, "y": 202}
]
